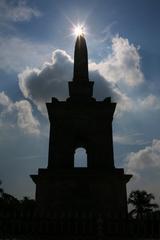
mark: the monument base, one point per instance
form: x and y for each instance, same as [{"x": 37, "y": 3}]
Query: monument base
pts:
[{"x": 82, "y": 189}]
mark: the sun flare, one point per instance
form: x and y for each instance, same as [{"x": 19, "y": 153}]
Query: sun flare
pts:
[{"x": 79, "y": 30}]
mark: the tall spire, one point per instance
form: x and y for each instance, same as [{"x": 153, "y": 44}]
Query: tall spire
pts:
[
  {"x": 80, "y": 89},
  {"x": 80, "y": 60}
]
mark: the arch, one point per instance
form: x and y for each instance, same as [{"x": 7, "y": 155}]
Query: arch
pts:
[{"x": 80, "y": 158}]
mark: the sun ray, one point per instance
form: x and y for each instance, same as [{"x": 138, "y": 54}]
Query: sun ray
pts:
[{"x": 79, "y": 30}]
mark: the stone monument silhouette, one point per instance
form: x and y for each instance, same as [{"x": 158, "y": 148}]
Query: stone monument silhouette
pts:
[{"x": 81, "y": 122}]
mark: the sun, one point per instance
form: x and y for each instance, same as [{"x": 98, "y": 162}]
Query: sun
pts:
[{"x": 79, "y": 30}]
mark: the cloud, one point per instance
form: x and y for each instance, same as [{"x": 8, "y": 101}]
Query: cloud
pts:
[
  {"x": 140, "y": 105},
  {"x": 132, "y": 139},
  {"x": 145, "y": 167},
  {"x": 4, "y": 101},
  {"x": 17, "y": 11},
  {"x": 25, "y": 118},
  {"x": 50, "y": 80},
  {"x": 149, "y": 102},
  {"x": 145, "y": 158},
  {"x": 41, "y": 84},
  {"x": 123, "y": 64},
  {"x": 17, "y": 115},
  {"x": 17, "y": 53},
  {"x": 23, "y": 146}
]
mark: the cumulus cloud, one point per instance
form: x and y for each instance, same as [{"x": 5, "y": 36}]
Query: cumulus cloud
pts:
[
  {"x": 23, "y": 146},
  {"x": 123, "y": 64},
  {"x": 17, "y": 115},
  {"x": 4, "y": 101},
  {"x": 17, "y": 11},
  {"x": 145, "y": 158},
  {"x": 25, "y": 118},
  {"x": 145, "y": 167},
  {"x": 40, "y": 84}
]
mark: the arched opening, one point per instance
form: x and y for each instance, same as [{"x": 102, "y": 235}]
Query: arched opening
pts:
[{"x": 80, "y": 158}]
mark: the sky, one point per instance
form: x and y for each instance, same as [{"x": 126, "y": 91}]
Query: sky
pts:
[{"x": 36, "y": 62}]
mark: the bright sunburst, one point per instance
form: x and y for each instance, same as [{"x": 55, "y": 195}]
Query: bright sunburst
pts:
[{"x": 79, "y": 30}]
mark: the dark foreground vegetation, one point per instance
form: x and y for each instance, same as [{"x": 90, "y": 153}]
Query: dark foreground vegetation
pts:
[{"x": 21, "y": 218}]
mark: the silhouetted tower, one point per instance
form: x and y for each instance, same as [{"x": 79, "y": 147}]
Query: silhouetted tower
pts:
[{"x": 81, "y": 122}]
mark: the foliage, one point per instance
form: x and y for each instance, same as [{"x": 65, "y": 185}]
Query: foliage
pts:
[
  {"x": 27, "y": 203},
  {"x": 11, "y": 203},
  {"x": 142, "y": 203},
  {"x": 1, "y": 189}
]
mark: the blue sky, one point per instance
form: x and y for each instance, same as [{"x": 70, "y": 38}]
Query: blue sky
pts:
[{"x": 36, "y": 61}]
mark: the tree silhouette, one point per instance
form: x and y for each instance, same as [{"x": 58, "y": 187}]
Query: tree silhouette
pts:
[
  {"x": 9, "y": 202},
  {"x": 141, "y": 202},
  {"x": 28, "y": 204},
  {"x": 1, "y": 189},
  {"x": 9, "y": 199}
]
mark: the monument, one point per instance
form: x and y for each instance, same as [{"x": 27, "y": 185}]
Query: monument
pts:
[{"x": 81, "y": 122}]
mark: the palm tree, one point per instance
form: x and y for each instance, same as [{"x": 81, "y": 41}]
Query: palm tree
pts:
[{"x": 141, "y": 202}]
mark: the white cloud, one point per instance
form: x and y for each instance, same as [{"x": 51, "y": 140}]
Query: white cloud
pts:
[
  {"x": 25, "y": 118},
  {"x": 138, "y": 105},
  {"x": 17, "y": 11},
  {"x": 23, "y": 146},
  {"x": 145, "y": 158},
  {"x": 17, "y": 115},
  {"x": 123, "y": 64},
  {"x": 125, "y": 103},
  {"x": 17, "y": 53},
  {"x": 41, "y": 84},
  {"x": 145, "y": 167},
  {"x": 50, "y": 80},
  {"x": 4, "y": 100},
  {"x": 150, "y": 102}
]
